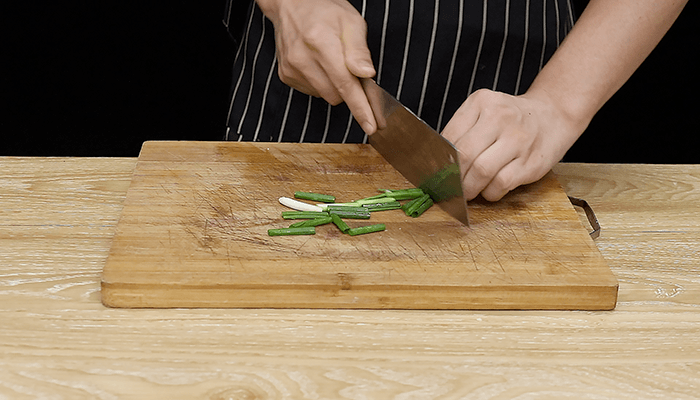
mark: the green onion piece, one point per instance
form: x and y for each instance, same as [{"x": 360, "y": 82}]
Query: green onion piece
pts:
[
  {"x": 303, "y": 214},
  {"x": 385, "y": 208},
  {"x": 309, "y": 230},
  {"x": 421, "y": 209},
  {"x": 397, "y": 194},
  {"x": 340, "y": 223},
  {"x": 363, "y": 202},
  {"x": 411, "y": 203},
  {"x": 405, "y": 194},
  {"x": 351, "y": 214},
  {"x": 359, "y": 203},
  {"x": 333, "y": 207},
  {"x": 410, "y": 207},
  {"x": 390, "y": 202},
  {"x": 366, "y": 229},
  {"x": 312, "y": 222},
  {"x": 393, "y": 205},
  {"x": 323, "y": 198}
]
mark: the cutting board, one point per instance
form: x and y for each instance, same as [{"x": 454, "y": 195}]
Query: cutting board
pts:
[{"x": 193, "y": 233}]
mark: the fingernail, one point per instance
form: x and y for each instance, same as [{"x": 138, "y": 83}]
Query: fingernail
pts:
[
  {"x": 368, "y": 67},
  {"x": 368, "y": 127}
]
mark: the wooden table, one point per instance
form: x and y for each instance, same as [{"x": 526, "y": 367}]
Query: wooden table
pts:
[{"x": 58, "y": 215}]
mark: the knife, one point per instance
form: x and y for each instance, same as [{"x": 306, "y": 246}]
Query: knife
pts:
[{"x": 417, "y": 151}]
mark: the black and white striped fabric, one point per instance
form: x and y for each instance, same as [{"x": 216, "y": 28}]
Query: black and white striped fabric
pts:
[{"x": 430, "y": 54}]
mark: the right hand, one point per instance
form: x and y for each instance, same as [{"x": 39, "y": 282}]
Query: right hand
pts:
[{"x": 322, "y": 51}]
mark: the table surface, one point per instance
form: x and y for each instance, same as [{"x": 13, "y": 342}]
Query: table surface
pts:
[{"x": 57, "y": 340}]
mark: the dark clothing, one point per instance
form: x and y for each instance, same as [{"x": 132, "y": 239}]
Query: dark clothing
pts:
[{"x": 430, "y": 54}]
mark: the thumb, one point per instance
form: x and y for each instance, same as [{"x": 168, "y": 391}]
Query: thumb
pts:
[{"x": 357, "y": 56}]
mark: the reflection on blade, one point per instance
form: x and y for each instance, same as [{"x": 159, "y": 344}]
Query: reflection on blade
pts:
[{"x": 419, "y": 153}]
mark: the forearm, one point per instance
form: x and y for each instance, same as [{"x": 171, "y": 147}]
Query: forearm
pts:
[{"x": 607, "y": 44}]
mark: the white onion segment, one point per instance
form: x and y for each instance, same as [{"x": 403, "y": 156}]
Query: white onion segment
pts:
[{"x": 298, "y": 205}]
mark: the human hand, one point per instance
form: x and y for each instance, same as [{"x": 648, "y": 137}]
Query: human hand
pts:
[
  {"x": 506, "y": 141},
  {"x": 322, "y": 51}
]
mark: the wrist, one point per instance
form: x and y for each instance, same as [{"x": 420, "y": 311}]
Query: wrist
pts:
[{"x": 573, "y": 112}]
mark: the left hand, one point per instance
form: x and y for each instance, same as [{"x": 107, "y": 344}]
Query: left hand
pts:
[{"x": 506, "y": 141}]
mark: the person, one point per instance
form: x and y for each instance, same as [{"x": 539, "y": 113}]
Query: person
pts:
[{"x": 512, "y": 84}]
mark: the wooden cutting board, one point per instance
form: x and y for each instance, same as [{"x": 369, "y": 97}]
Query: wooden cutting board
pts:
[{"x": 193, "y": 233}]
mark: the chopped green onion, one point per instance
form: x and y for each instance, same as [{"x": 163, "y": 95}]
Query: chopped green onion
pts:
[
  {"x": 312, "y": 222},
  {"x": 323, "y": 198},
  {"x": 364, "y": 214},
  {"x": 390, "y": 202},
  {"x": 421, "y": 209},
  {"x": 310, "y": 230},
  {"x": 404, "y": 194},
  {"x": 298, "y": 205},
  {"x": 419, "y": 202},
  {"x": 303, "y": 214},
  {"x": 359, "y": 203},
  {"x": 363, "y": 202},
  {"x": 335, "y": 207},
  {"x": 410, "y": 207},
  {"x": 383, "y": 206},
  {"x": 366, "y": 229},
  {"x": 340, "y": 223}
]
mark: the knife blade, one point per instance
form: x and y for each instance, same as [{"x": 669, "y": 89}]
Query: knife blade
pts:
[{"x": 417, "y": 151}]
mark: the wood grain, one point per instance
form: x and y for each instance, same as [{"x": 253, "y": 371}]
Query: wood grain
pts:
[
  {"x": 193, "y": 233},
  {"x": 57, "y": 341}
]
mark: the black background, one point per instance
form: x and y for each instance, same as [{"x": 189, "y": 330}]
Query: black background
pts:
[{"x": 97, "y": 78}]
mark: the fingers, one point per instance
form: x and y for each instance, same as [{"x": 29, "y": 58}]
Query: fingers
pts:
[
  {"x": 501, "y": 145},
  {"x": 505, "y": 180},
  {"x": 358, "y": 59},
  {"x": 488, "y": 171},
  {"x": 470, "y": 131},
  {"x": 473, "y": 133},
  {"x": 343, "y": 63},
  {"x": 329, "y": 78},
  {"x": 464, "y": 119},
  {"x": 301, "y": 70},
  {"x": 520, "y": 171},
  {"x": 358, "y": 64},
  {"x": 328, "y": 62},
  {"x": 311, "y": 79},
  {"x": 375, "y": 96}
]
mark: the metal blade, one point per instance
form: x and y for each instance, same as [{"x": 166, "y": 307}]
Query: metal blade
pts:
[{"x": 417, "y": 151}]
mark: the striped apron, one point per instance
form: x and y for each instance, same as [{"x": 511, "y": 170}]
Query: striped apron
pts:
[{"x": 430, "y": 54}]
